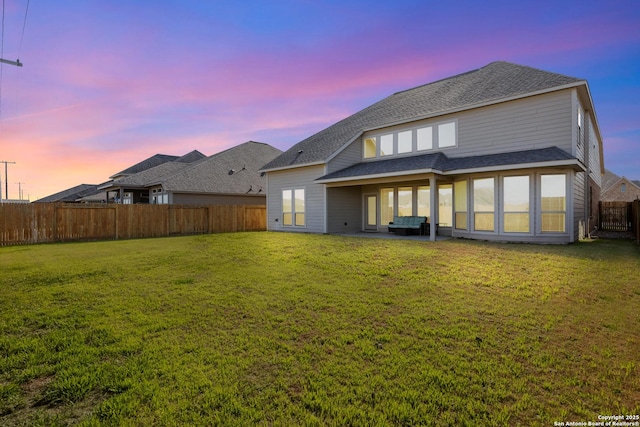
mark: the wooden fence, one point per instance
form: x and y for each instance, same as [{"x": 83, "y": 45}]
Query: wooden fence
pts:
[
  {"x": 48, "y": 222},
  {"x": 616, "y": 216}
]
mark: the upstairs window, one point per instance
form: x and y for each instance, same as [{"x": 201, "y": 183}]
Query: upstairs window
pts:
[
  {"x": 432, "y": 137},
  {"x": 425, "y": 138},
  {"x": 447, "y": 135},
  {"x": 386, "y": 145},
  {"x": 405, "y": 142},
  {"x": 370, "y": 148}
]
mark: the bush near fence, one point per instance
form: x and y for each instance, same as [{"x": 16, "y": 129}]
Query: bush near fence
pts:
[{"x": 49, "y": 222}]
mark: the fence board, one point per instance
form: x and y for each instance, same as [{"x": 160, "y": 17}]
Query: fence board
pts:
[
  {"x": 47, "y": 222},
  {"x": 615, "y": 216}
]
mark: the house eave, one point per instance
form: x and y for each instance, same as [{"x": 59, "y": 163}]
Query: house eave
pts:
[
  {"x": 422, "y": 173},
  {"x": 294, "y": 166}
]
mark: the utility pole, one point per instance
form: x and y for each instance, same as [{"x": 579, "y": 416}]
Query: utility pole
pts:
[
  {"x": 6, "y": 179},
  {"x": 17, "y": 63},
  {"x": 20, "y": 189}
]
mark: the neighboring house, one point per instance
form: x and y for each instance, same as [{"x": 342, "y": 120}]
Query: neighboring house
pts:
[
  {"x": 229, "y": 177},
  {"x": 130, "y": 187},
  {"x": 71, "y": 195},
  {"x": 619, "y": 189},
  {"x": 505, "y": 152}
]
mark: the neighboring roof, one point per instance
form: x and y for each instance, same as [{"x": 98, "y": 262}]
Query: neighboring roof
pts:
[
  {"x": 152, "y": 161},
  {"x": 496, "y": 82},
  {"x": 152, "y": 169},
  {"x": 142, "y": 179},
  {"x": 233, "y": 171},
  {"x": 439, "y": 162},
  {"x": 609, "y": 179},
  {"x": 71, "y": 194}
]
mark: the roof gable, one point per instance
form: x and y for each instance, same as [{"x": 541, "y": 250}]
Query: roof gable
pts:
[{"x": 496, "y": 82}]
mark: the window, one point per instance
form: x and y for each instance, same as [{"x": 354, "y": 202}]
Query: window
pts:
[
  {"x": 386, "y": 205},
  {"x": 424, "y": 201},
  {"x": 405, "y": 205},
  {"x": 553, "y": 189},
  {"x": 445, "y": 204},
  {"x": 405, "y": 142},
  {"x": 460, "y": 204},
  {"x": 369, "y": 148},
  {"x": 386, "y": 145},
  {"x": 483, "y": 204},
  {"x": 516, "y": 204},
  {"x": 425, "y": 138},
  {"x": 623, "y": 188},
  {"x": 293, "y": 207},
  {"x": 443, "y": 135},
  {"x": 447, "y": 135}
]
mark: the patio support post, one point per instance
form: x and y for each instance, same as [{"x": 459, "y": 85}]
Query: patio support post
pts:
[{"x": 433, "y": 207}]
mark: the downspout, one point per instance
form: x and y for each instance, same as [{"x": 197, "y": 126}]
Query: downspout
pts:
[
  {"x": 587, "y": 160},
  {"x": 433, "y": 204}
]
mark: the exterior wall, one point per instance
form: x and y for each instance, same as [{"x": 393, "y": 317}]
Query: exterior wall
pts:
[
  {"x": 594, "y": 157},
  {"x": 531, "y": 123},
  {"x": 214, "y": 199},
  {"x": 302, "y": 177},
  {"x": 344, "y": 210},
  {"x": 347, "y": 157},
  {"x": 615, "y": 193}
]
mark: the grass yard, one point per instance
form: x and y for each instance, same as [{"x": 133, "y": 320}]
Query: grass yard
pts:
[{"x": 284, "y": 329}]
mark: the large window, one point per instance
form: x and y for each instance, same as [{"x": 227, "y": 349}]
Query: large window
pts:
[
  {"x": 405, "y": 198},
  {"x": 424, "y": 201},
  {"x": 386, "y": 205},
  {"x": 516, "y": 204},
  {"x": 445, "y": 205},
  {"x": 460, "y": 204},
  {"x": 553, "y": 203},
  {"x": 483, "y": 204},
  {"x": 293, "y": 207}
]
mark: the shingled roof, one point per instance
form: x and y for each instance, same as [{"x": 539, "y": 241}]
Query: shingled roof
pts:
[
  {"x": 496, "y": 82},
  {"x": 71, "y": 194},
  {"x": 233, "y": 171},
  {"x": 439, "y": 162}
]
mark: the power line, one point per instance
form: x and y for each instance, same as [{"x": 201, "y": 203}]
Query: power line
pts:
[{"x": 24, "y": 24}]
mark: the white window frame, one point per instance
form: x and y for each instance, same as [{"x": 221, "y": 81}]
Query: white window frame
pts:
[{"x": 293, "y": 211}]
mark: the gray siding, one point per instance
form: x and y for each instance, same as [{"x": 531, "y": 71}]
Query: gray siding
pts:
[
  {"x": 314, "y": 198},
  {"x": 344, "y": 209},
  {"x": 347, "y": 157},
  {"x": 530, "y": 123},
  {"x": 536, "y": 122},
  {"x": 594, "y": 157}
]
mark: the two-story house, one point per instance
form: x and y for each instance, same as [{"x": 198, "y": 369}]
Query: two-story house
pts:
[{"x": 505, "y": 152}]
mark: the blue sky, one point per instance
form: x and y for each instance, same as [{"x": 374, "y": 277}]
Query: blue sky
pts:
[{"x": 107, "y": 84}]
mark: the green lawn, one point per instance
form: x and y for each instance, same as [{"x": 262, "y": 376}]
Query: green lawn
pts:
[{"x": 284, "y": 329}]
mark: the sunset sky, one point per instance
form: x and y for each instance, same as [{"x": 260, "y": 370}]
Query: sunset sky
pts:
[{"x": 106, "y": 84}]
